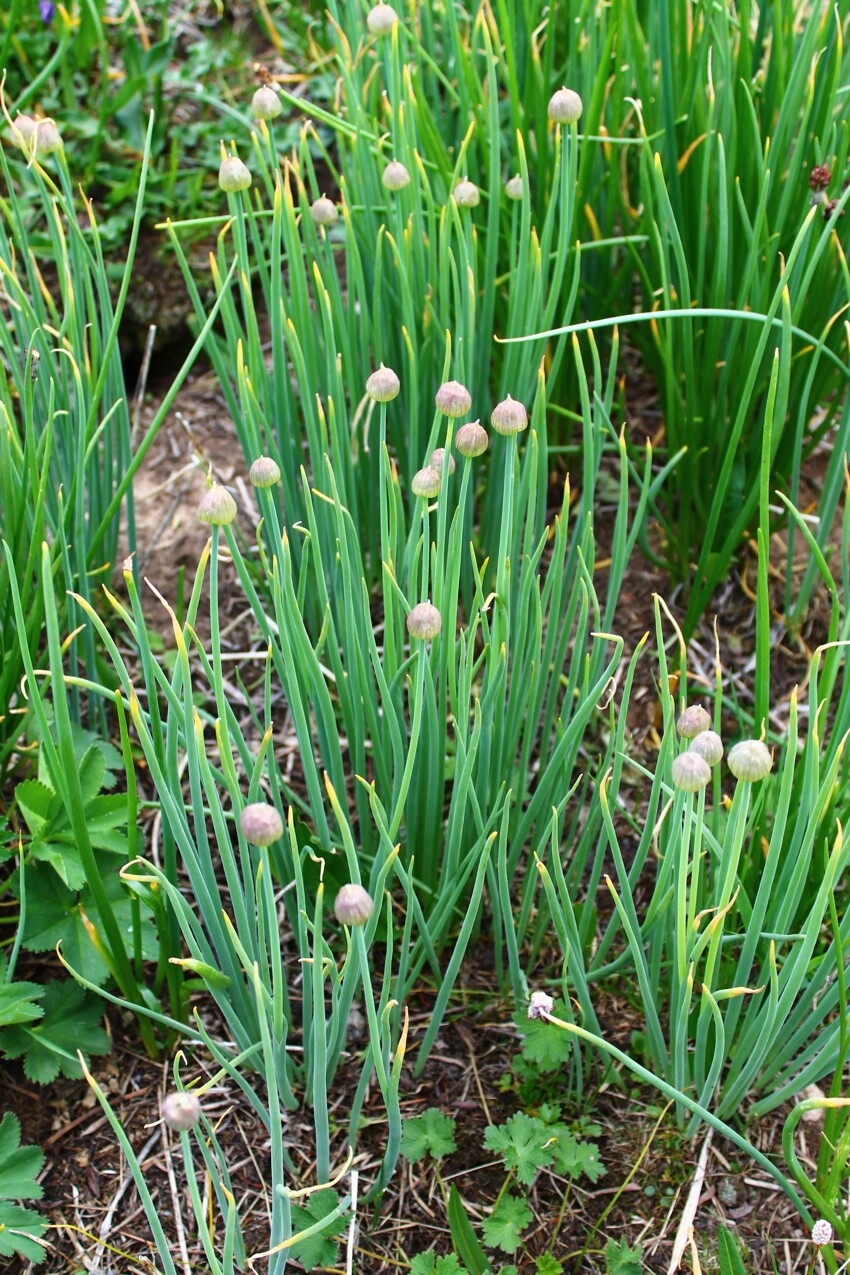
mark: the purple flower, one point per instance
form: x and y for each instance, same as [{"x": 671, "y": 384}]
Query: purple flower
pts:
[{"x": 47, "y": 9}]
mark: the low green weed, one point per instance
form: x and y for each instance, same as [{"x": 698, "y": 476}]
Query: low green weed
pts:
[{"x": 21, "y": 1228}]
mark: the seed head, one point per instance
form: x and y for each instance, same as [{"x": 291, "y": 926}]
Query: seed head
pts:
[
  {"x": 46, "y": 139},
  {"x": 565, "y": 107},
  {"x": 261, "y": 824},
  {"x": 693, "y": 721},
  {"x": 690, "y": 772},
  {"x": 466, "y": 194},
  {"x": 453, "y": 399},
  {"x": 353, "y": 905},
  {"x": 323, "y": 211},
  {"x": 472, "y": 440},
  {"x": 709, "y": 745},
  {"x": 180, "y": 1111},
  {"x": 264, "y": 472},
  {"x": 750, "y": 760},
  {"x": 424, "y": 621},
  {"x": 540, "y": 1003},
  {"x": 820, "y": 177},
  {"x": 395, "y": 176},
  {"x": 426, "y": 482},
  {"x": 509, "y": 417},
  {"x": 437, "y": 460},
  {"x": 381, "y": 19},
  {"x": 233, "y": 176},
  {"x": 217, "y": 507},
  {"x": 821, "y": 1233},
  {"x": 383, "y": 385},
  {"x": 514, "y": 187},
  {"x": 265, "y": 104}
]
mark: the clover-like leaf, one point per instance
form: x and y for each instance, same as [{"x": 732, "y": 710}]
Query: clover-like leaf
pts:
[
  {"x": 432, "y": 1133},
  {"x": 503, "y": 1228},
  {"x": 320, "y": 1249},
  {"x": 72, "y": 1021},
  {"x": 523, "y": 1143},
  {"x": 621, "y": 1259}
]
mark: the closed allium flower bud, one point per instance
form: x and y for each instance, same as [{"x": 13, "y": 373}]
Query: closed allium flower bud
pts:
[
  {"x": 265, "y": 104},
  {"x": 750, "y": 760},
  {"x": 453, "y": 399},
  {"x": 424, "y": 621},
  {"x": 383, "y": 385},
  {"x": 821, "y": 1232},
  {"x": 45, "y": 138},
  {"x": 353, "y": 905},
  {"x": 438, "y": 457},
  {"x": 180, "y": 1111},
  {"x": 466, "y": 194},
  {"x": 514, "y": 188},
  {"x": 23, "y": 127},
  {"x": 323, "y": 211},
  {"x": 217, "y": 507},
  {"x": 261, "y": 824},
  {"x": 381, "y": 19},
  {"x": 693, "y": 721},
  {"x": 472, "y": 440},
  {"x": 540, "y": 1003},
  {"x": 395, "y": 176},
  {"x": 264, "y": 472},
  {"x": 426, "y": 482},
  {"x": 709, "y": 745},
  {"x": 233, "y": 176},
  {"x": 565, "y": 107},
  {"x": 690, "y": 772},
  {"x": 509, "y": 417}
]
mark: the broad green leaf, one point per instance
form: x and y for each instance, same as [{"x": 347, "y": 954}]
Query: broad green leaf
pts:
[
  {"x": 38, "y": 804},
  {"x": 464, "y": 1238},
  {"x": 72, "y": 1020},
  {"x": 522, "y": 1142},
  {"x": 322, "y": 1248},
  {"x": 17, "y": 1227},
  {"x": 19, "y": 1166},
  {"x": 428, "y": 1134},
  {"x": 621, "y": 1259},
  {"x": 574, "y": 1158},
  {"x": 548, "y": 1264},
  {"x": 729, "y": 1254},
  {"x": 544, "y": 1044},
  {"x": 429, "y": 1264},
  {"x": 503, "y": 1229},
  {"x": 17, "y": 1003}
]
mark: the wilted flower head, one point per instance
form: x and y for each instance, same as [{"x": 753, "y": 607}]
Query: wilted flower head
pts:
[
  {"x": 395, "y": 176},
  {"x": 261, "y": 823},
  {"x": 265, "y": 104},
  {"x": 822, "y": 1232},
  {"x": 426, "y": 482},
  {"x": 690, "y": 772},
  {"x": 353, "y": 905},
  {"x": 709, "y": 745},
  {"x": 565, "y": 107},
  {"x": 750, "y": 760},
  {"x": 472, "y": 440},
  {"x": 217, "y": 507},
  {"x": 453, "y": 399},
  {"x": 540, "y": 1003},
  {"x": 820, "y": 177},
  {"x": 424, "y": 621},
  {"x": 466, "y": 194},
  {"x": 437, "y": 460},
  {"x": 180, "y": 1111},
  {"x": 323, "y": 211},
  {"x": 383, "y": 385},
  {"x": 381, "y": 19},
  {"x": 233, "y": 175},
  {"x": 509, "y": 417},
  {"x": 514, "y": 188},
  {"x": 264, "y": 472},
  {"x": 693, "y": 721}
]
